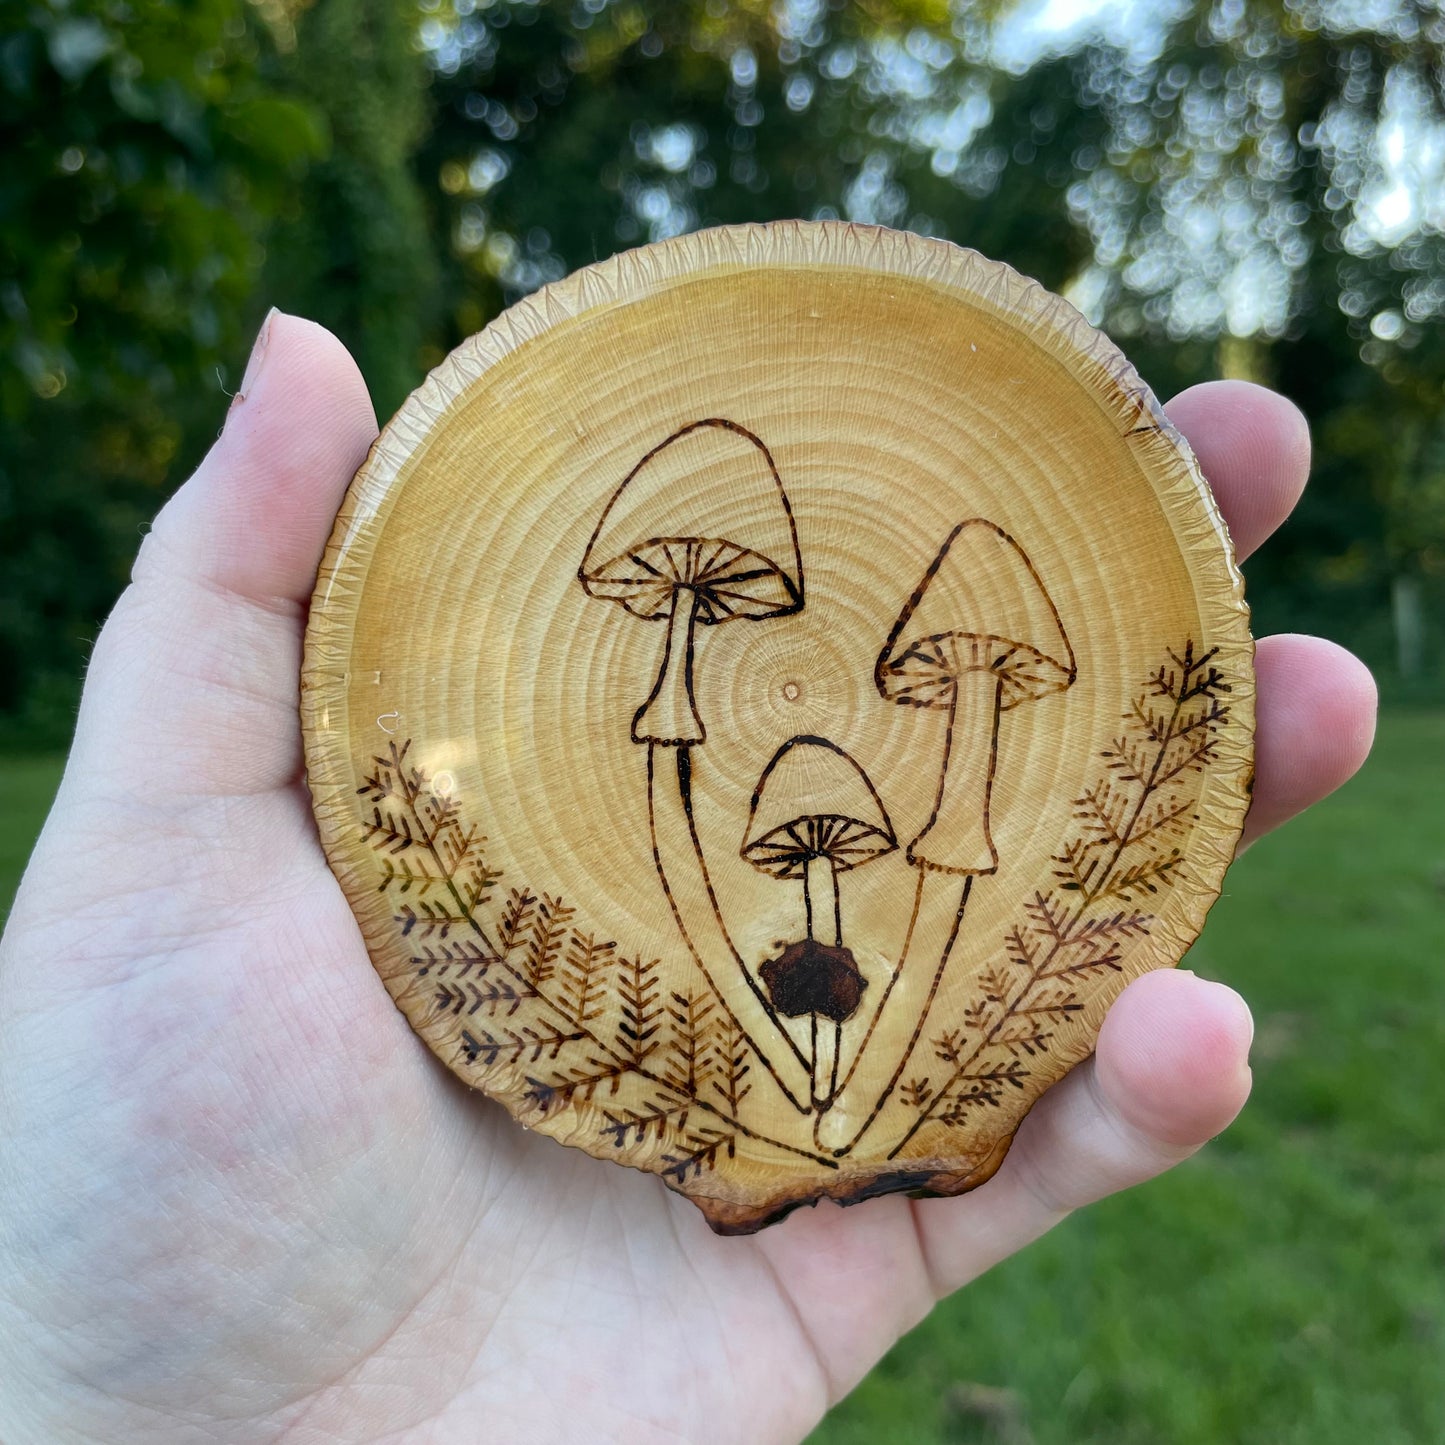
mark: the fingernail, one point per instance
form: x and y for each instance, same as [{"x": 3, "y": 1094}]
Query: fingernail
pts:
[{"x": 257, "y": 359}]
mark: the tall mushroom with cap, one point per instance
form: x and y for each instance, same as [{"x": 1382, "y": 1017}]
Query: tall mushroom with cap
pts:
[
  {"x": 699, "y": 532},
  {"x": 814, "y": 816},
  {"x": 978, "y": 637}
]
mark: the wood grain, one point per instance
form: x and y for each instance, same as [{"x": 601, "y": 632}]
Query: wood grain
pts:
[{"x": 764, "y": 698}]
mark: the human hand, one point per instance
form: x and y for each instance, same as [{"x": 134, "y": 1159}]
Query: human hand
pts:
[{"x": 240, "y": 1202}]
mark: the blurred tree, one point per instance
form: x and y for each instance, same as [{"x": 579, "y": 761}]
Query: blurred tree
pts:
[
  {"x": 570, "y": 128},
  {"x": 1274, "y": 182},
  {"x": 144, "y": 155},
  {"x": 1248, "y": 186},
  {"x": 354, "y": 249}
]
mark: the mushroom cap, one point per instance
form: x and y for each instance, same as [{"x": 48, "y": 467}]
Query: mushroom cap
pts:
[
  {"x": 813, "y": 801},
  {"x": 703, "y": 510},
  {"x": 979, "y": 607}
]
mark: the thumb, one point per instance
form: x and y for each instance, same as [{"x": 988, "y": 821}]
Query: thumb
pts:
[
  {"x": 253, "y": 519},
  {"x": 194, "y": 677}
]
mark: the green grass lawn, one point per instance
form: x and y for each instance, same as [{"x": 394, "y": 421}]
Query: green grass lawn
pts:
[
  {"x": 1288, "y": 1286},
  {"x": 26, "y": 787}
]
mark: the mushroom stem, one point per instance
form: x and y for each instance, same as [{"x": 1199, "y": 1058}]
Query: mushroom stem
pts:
[
  {"x": 825, "y": 1060},
  {"x": 938, "y": 910},
  {"x": 956, "y": 838},
  {"x": 820, "y": 881},
  {"x": 669, "y": 715},
  {"x": 682, "y": 871}
]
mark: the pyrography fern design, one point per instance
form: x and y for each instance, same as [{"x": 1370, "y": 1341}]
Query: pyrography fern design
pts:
[
  {"x": 1126, "y": 848},
  {"x": 535, "y": 989}
]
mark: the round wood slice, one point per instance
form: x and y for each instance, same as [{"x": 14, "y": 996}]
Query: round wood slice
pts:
[{"x": 765, "y": 696}]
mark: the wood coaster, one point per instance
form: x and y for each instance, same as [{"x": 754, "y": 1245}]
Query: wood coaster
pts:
[{"x": 764, "y": 698}]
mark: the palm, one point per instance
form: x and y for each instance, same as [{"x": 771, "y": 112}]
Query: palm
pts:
[
  {"x": 304, "y": 1122},
  {"x": 246, "y": 1200}
]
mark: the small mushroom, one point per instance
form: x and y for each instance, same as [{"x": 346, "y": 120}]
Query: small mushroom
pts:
[
  {"x": 815, "y": 815},
  {"x": 699, "y": 531},
  {"x": 979, "y": 636}
]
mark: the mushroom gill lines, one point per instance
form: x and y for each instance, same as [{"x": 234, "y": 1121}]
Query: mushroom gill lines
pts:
[{"x": 655, "y": 552}]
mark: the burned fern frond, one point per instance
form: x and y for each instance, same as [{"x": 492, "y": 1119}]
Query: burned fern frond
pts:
[
  {"x": 732, "y": 1066},
  {"x": 948, "y": 1046},
  {"x": 1056, "y": 1005},
  {"x": 640, "y": 1125},
  {"x": 479, "y": 882},
  {"x": 1148, "y": 876},
  {"x": 1170, "y": 815},
  {"x": 496, "y": 998},
  {"x": 428, "y": 919},
  {"x": 959, "y": 1105},
  {"x": 388, "y": 830},
  {"x": 380, "y": 782},
  {"x": 1130, "y": 761},
  {"x": 1110, "y": 926},
  {"x": 979, "y": 1014},
  {"x": 1118, "y": 854},
  {"x": 1103, "y": 810},
  {"x": 690, "y": 1046},
  {"x": 439, "y": 813},
  {"x": 584, "y": 976},
  {"x": 550, "y": 921},
  {"x": 516, "y": 921},
  {"x": 530, "y": 1043},
  {"x": 994, "y": 984},
  {"x": 461, "y": 957},
  {"x": 1048, "y": 917},
  {"x": 1024, "y": 1038},
  {"x": 408, "y": 875},
  {"x": 1075, "y": 865},
  {"x": 698, "y": 1155},
  {"x": 639, "y": 1014},
  {"x": 577, "y": 1085},
  {"x": 1019, "y": 949},
  {"x": 1107, "y": 960}
]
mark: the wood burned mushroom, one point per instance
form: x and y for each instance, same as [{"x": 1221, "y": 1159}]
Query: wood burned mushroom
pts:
[
  {"x": 699, "y": 531},
  {"x": 814, "y": 815},
  {"x": 978, "y": 637}
]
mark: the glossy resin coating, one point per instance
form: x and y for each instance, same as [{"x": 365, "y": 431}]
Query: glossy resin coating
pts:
[{"x": 764, "y": 698}]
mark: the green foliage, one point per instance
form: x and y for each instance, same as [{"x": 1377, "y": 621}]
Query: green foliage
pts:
[
  {"x": 27, "y": 785},
  {"x": 354, "y": 248},
  {"x": 1250, "y": 188},
  {"x": 567, "y": 131},
  {"x": 144, "y": 156}
]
